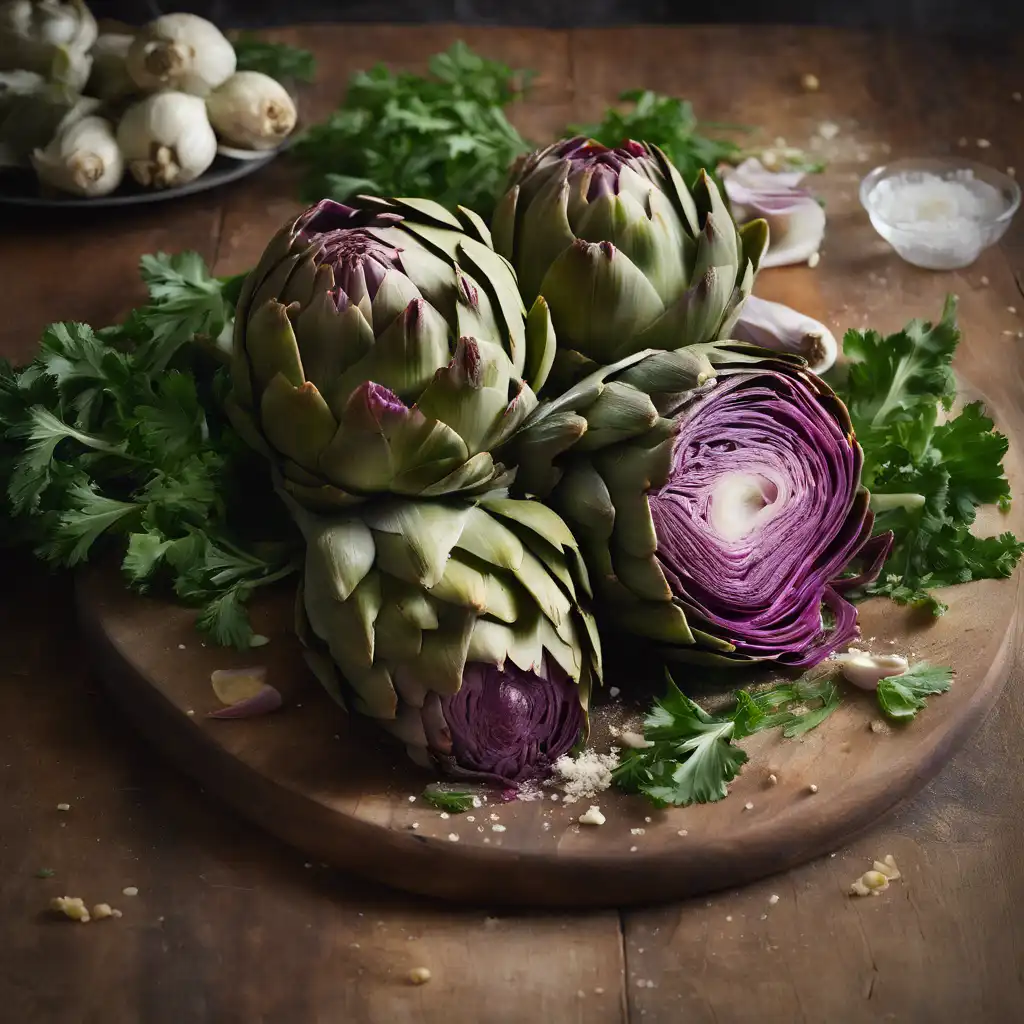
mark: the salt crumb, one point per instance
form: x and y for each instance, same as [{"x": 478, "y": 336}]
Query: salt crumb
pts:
[
  {"x": 1011, "y": 309},
  {"x": 828, "y": 130},
  {"x": 419, "y": 976},
  {"x": 445, "y": 815},
  {"x": 415, "y": 825},
  {"x": 63, "y": 807},
  {"x": 613, "y": 691},
  {"x": 683, "y": 832},
  {"x": 487, "y": 839},
  {"x": 984, "y": 284},
  {"x": 633, "y": 849},
  {"x": 764, "y": 917},
  {"x": 748, "y": 806},
  {"x": 773, "y": 779},
  {"x": 71, "y": 906},
  {"x": 728, "y": 917},
  {"x": 491, "y": 922},
  {"x": 453, "y": 837},
  {"x": 1015, "y": 96},
  {"x": 181, "y": 647},
  {"x": 412, "y": 799},
  {"x": 1011, "y": 172},
  {"x": 593, "y": 816},
  {"x": 598, "y": 991},
  {"x": 130, "y": 890},
  {"x": 780, "y": 142},
  {"x": 102, "y": 910},
  {"x": 638, "y": 831},
  {"x": 878, "y": 727},
  {"x": 773, "y": 899},
  {"x": 813, "y": 788},
  {"x": 648, "y": 819},
  {"x": 190, "y": 712},
  {"x": 962, "y": 141},
  {"x": 545, "y": 825},
  {"x": 810, "y": 82},
  {"x": 494, "y": 817},
  {"x": 580, "y": 994},
  {"x": 470, "y": 817},
  {"x": 813, "y": 260},
  {"x": 583, "y": 777},
  {"x": 115, "y": 912},
  {"x": 307, "y": 865},
  {"x": 497, "y": 828},
  {"x": 983, "y": 143},
  {"x": 554, "y": 796},
  {"x": 634, "y": 740}
]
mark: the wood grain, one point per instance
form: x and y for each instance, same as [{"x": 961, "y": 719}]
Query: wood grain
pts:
[{"x": 248, "y": 934}]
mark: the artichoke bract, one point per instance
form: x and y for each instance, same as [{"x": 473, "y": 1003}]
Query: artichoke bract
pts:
[
  {"x": 383, "y": 349},
  {"x": 723, "y": 522},
  {"x": 626, "y": 255},
  {"x": 457, "y": 625}
]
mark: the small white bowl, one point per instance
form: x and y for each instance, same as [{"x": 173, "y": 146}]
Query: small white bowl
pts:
[{"x": 940, "y": 243}]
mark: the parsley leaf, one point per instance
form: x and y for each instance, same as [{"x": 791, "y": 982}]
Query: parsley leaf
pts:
[
  {"x": 454, "y": 801},
  {"x": 797, "y": 707},
  {"x": 120, "y": 435},
  {"x": 278, "y": 60},
  {"x": 926, "y": 477},
  {"x": 443, "y": 136},
  {"x": 901, "y": 697},
  {"x": 693, "y": 757}
]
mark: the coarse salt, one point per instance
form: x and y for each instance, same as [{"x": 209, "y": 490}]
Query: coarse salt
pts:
[{"x": 583, "y": 777}]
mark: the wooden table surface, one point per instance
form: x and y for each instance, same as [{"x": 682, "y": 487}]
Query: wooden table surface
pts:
[{"x": 229, "y": 927}]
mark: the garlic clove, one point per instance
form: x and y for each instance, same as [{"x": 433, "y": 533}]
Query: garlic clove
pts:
[
  {"x": 796, "y": 221},
  {"x": 782, "y": 329},
  {"x": 182, "y": 52},
  {"x": 252, "y": 110},
  {"x": 110, "y": 79},
  {"x": 867, "y": 670},
  {"x": 83, "y": 159},
  {"x": 166, "y": 139}
]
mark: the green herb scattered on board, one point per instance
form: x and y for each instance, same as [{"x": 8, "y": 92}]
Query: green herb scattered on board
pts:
[{"x": 278, "y": 60}]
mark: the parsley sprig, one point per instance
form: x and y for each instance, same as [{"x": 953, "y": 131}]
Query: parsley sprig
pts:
[
  {"x": 118, "y": 437},
  {"x": 443, "y": 136},
  {"x": 927, "y": 472},
  {"x": 278, "y": 60}
]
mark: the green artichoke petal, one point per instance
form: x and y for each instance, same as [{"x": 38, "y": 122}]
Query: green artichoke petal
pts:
[
  {"x": 715, "y": 643},
  {"x": 246, "y": 427},
  {"x": 676, "y": 189},
  {"x": 754, "y": 241},
  {"x": 415, "y": 539},
  {"x": 271, "y": 348},
  {"x": 345, "y": 626},
  {"x": 583, "y": 497},
  {"x": 545, "y": 591},
  {"x": 490, "y": 643},
  {"x": 479, "y": 471},
  {"x": 432, "y": 272},
  {"x": 329, "y": 341},
  {"x": 463, "y": 585},
  {"x": 442, "y": 241},
  {"x": 374, "y": 693},
  {"x": 664, "y": 621},
  {"x": 475, "y": 226},
  {"x": 715, "y": 245},
  {"x": 279, "y": 248},
  {"x": 393, "y": 296},
  {"x": 322, "y": 497},
  {"x": 273, "y": 284},
  {"x": 503, "y": 224},
  {"x": 641, "y": 576},
  {"x": 427, "y": 208},
  {"x": 487, "y": 538},
  {"x": 405, "y": 357},
  {"x": 343, "y": 550},
  {"x": 519, "y": 408},
  {"x": 413, "y": 604},
  {"x": 442, "y": 660},
  {"x": 599, "y": 300},
  {"x": 619, "y": 413},
  {"x": 669, "y": 371},
  {"x": 293, "y": 471},
  {"x": 711, "y": 205},
  {"x": 296, "y": 421},
  {"x": 695, "y": 318},
  {"x": 562, "y": 642},
  {"x": 396, "y": 637},
  {"x": 299, "y": 286},
  {"x": 532, "y": 517},
  {"x": 470, "y": 394},
  {"x": 539, "y": 444},
  {"x": 499, "y": 279},
  {"x": 594, "y": 638},
  {"x": 540, "y": 344},
  {"x": 544, "y": 234},
  {"x": 475, "y": 313}
]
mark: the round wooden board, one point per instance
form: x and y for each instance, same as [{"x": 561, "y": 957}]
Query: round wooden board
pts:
[{"x": 331, "y": 786}]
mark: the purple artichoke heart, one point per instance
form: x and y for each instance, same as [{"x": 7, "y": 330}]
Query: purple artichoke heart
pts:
[
  {"x": 762, "y": 514},
  {"x": 504, "y": 725}
]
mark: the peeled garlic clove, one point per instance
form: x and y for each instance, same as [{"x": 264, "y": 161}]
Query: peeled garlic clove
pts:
[
  {"x": 796, "y": 222},
  {"x": 166, "y": 139},
  {"x": 183, "y": 52},
  {"x": 110, "y": 79},
  {"x": 50, "y": 37},
  {"x": 783, "y": 329},
  {"x": 252, "y": 110},
  {"x": 867, "y": 670},
  {"x": 84, "y": 159}
]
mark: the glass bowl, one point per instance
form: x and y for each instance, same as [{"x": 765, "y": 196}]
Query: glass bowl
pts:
[{"x": 939, "y": 228}]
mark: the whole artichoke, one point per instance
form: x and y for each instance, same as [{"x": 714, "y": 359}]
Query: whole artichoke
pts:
[
  {"x": 626, "y": 256},
  {"x": 720, "y": 521},
  {"x": 382, "y": 349},
  {"x": 457, "y": 626}
]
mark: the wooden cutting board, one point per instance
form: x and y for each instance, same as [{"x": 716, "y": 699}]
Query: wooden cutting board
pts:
[{"x": 336, "y": 788}]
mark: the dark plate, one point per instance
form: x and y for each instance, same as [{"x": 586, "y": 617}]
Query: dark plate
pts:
[{"x": 21, "y": 187}]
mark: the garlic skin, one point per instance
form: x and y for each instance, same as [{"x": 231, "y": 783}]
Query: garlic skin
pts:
[
  {"x": 182, "y": 52},
  {"x": 783, "y": 329},
  {"x": 867, "y": 670},
  {"x": 796, "y": 222},
  {"x": 49, "y": 37},
  {"x": 166, "y": 139},
  {"x": 252, "y": 110},
  {"x": 84, "y": 159},
  {"x": 110, "y": 79}
]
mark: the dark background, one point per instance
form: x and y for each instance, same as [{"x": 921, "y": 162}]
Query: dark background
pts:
[{"x": 967, "y": 16}]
